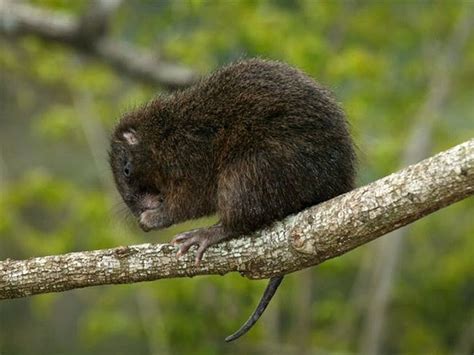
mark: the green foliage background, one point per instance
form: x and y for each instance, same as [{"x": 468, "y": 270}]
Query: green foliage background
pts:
[{"x": 57, "y": 108}]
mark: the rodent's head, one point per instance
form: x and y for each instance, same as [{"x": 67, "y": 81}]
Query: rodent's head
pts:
[{"x": 136, "y": 173}]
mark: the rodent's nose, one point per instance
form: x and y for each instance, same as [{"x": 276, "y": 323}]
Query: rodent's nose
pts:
[{"x": 144, "y": 227}]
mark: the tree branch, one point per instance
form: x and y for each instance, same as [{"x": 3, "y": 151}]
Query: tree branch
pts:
[
  {"x": 319, "y": 233},
  {"x": 88, "y": 35}
]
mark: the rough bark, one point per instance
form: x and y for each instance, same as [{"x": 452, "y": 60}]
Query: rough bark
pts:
[
  {"x": 88, "y": 35},
  {"x": 308, "y": 238}
]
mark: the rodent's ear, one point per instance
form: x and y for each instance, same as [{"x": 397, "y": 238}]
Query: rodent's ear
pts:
[{"x": 130, "y": 137}]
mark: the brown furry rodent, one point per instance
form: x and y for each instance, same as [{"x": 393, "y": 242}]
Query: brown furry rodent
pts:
[{"x": 254, "y": 142}]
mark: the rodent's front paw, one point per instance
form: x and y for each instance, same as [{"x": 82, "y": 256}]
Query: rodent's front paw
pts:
[
  {"x": 202, "y": 237},
  {"x": 153, "y": 219}
]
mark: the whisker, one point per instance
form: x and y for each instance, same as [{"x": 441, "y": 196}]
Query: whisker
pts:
[{"x": 120, "y": 212}]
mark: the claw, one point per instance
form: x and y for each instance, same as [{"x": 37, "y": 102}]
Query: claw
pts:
[{"x": 200, "y": 252}]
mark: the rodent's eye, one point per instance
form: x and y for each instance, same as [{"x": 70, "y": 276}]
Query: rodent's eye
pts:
[{"x": 127, "y": 169}]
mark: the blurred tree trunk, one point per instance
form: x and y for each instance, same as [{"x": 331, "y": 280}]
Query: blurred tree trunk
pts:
[
  {"x": 388, "y": 250},
  {"x": 303, "y": 304}
]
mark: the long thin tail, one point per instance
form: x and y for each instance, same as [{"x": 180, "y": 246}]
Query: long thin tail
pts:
[{"x": 264, "y": 301}]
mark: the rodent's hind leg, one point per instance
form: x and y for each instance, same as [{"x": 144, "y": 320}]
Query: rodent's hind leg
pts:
[{"x": 202, "y": 237}]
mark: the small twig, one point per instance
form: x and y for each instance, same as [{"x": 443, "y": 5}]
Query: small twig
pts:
[{"x": 88, "y": 35}]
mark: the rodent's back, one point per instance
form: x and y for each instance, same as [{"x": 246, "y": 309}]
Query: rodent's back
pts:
[
  {"x": 254, "y": 92},
  {"x": 259, "y": 99}
]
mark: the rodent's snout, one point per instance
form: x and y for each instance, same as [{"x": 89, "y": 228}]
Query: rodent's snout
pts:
[
  {"x": 146, "y": 219},
  {"x": 154, "y": 218},
  {"x": 151, "y": 212}
]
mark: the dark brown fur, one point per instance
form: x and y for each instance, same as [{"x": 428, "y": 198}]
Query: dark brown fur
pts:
[{"x": 254, "y": 142}]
